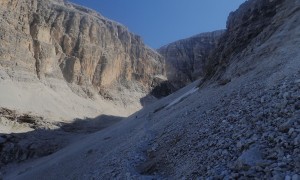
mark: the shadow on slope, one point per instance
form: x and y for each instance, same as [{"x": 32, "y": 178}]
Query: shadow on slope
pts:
[
  {"x": 161, "y": 90},
  {"x": 45, "y": 138}
]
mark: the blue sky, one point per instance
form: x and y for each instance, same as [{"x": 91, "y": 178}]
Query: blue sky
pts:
[{"x": 160, "y": 22}]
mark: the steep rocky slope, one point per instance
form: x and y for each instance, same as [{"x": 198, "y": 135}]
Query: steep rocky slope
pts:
[
  {"x": 66, "y": 47},
  {"x": 247, "y": 28},
  {"x": 185, "y": 59},
  {"x": 246, "y": 128}
]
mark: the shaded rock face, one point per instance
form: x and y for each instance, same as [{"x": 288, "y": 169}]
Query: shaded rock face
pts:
[
  {"x": 185, "y": 58},
  {"x": 253, "y": 23},
  {"x": 57, "y": 39},
  {"x": 163, "y": 89}
]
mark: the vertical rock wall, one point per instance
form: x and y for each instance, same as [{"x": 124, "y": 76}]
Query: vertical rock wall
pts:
[{"x": 57, "y": 39}]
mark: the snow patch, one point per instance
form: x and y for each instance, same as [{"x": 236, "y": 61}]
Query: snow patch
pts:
[{"x": 177, "y": 100}]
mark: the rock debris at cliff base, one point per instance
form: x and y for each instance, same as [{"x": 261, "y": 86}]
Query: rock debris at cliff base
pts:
[{"x": 243, "y": 121}]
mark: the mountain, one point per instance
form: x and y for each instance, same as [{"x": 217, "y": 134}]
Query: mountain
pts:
[
  {"x": 248, "y": 29},
  {"x": 185, "y": 59},
  {"x": 82, "y": 60},
  {"x": 241, "y": 121}
]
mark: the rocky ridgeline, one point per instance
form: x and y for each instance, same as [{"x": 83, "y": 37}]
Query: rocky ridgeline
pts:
[
  {"x": 185, "y": 59},
  {"x": 208, "y": 54},
  {"x": 57, "y": 39},
  {"x": 254, "y": 22}
]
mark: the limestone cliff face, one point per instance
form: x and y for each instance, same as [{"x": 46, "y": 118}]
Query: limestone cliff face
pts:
[
  {"x": 185, "y": 58},
  {"x": 57, "y": 39},
  {"x": 248, "y": 27}
]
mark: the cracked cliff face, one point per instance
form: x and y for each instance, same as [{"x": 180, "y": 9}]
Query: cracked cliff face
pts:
[
  {"x": 248, "y": 27},
  {"x": 57, "y": 39},
  {"x": 185, "y": 58}
]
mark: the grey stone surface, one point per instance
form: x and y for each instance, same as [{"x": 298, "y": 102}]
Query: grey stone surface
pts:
[
  {"x": 240, "y": 124},
  {"x": 58, "y": 39},
  {"x": 185, "y": 59}
]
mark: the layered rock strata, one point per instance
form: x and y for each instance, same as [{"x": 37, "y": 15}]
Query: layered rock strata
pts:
[
  {"x": 55, "y": 39},
  {"x": 185, "y": 58}
]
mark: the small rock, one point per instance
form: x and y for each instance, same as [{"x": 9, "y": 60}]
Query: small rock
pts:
[
  {"x": 234, "y": 176},
  {"x": 250, "y": 157},
  {"x": 297, "y": 140},
  {"x": 286, "y": 95},
  {"x": 278, "y": 176},
  {"x": 296, "y": 177},
  {"x": 223, "y": 82},
  {"x": 240, "y": 144},
  {"x": 23, "y": 157},
  {"x": 281, "y": 164},
  {"x": 8, "y": 147},
  {"x": 283, "y": 105},
  {"x": 286, "y": 126},
  {"x": 264, "y": 163},
  {"x": 224, "y": 173},
  {"x": 291, "y": 131},
  {"x": 225, "y": 153},
  {"x": 2, "y": 140},
  {"x": 287, "y": 177},
  {"x": 7, "y": 136},
  {"x": 128, "y": 175},
  {"x": 297, "y": 106},
  {"x": 262, "y": 99},
  {"x": 291, "y": 101}
]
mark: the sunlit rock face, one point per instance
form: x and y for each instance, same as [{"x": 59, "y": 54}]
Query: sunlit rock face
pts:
[{"x": 57, "y": 39}]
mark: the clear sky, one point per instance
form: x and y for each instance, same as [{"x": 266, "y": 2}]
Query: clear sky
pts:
[{"x": 160, "y": 22}]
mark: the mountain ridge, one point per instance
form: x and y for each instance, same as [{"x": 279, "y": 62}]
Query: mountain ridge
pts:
[{"x": 241, "y": 121}]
